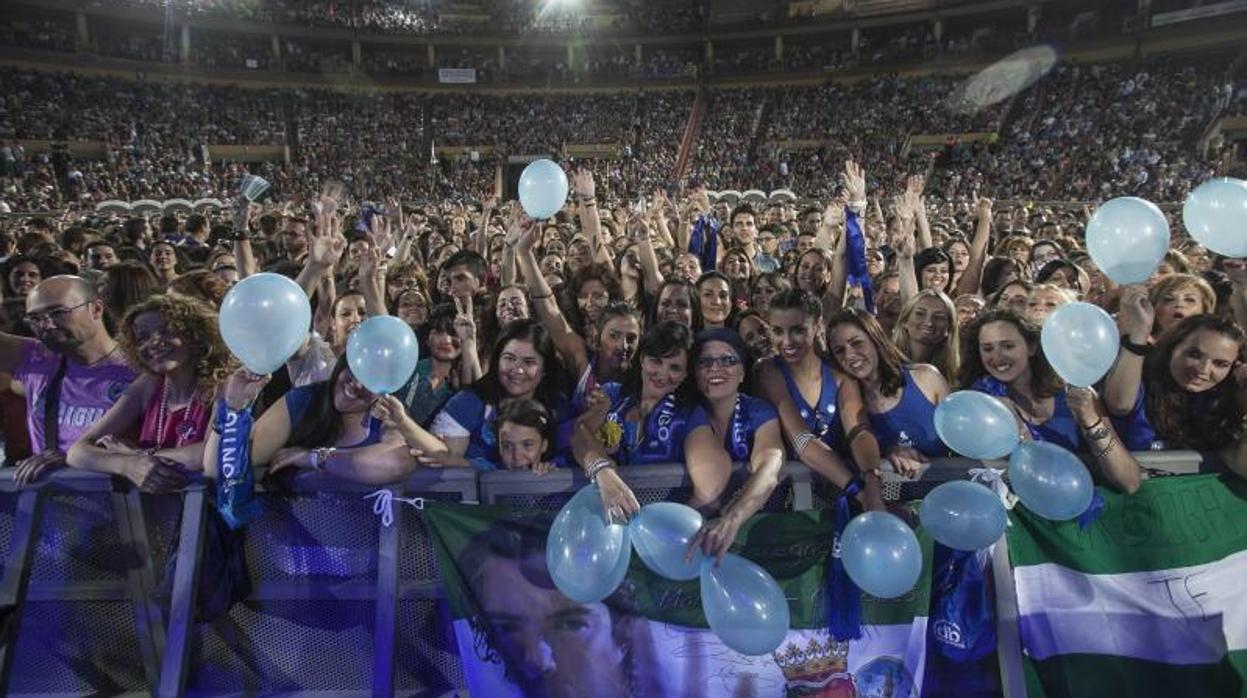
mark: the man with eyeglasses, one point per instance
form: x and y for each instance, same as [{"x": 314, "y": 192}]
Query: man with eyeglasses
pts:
[{"x": 71, "y": 375}]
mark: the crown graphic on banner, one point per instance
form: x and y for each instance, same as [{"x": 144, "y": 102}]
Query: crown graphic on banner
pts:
[{"x": 814, "y": 664}]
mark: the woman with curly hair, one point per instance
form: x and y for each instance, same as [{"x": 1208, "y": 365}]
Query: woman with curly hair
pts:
[{"x": 155, "y": 431}]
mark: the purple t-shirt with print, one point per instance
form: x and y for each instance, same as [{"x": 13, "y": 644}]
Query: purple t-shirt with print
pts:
[{"x": 86, "y": 392}]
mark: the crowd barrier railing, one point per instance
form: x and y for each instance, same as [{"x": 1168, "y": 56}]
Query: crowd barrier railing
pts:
[{"x": 81, "y": 581}]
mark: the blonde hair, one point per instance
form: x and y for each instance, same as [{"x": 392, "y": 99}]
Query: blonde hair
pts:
[
  {"x": 1173, "y": 283},
  {"x": 948, "y": 357},
  {"x": 1066, "y": 295}
]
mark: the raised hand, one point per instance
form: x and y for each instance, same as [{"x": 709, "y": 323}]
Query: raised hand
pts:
[
  {"x": 465, "y": 323},
  {"x": 1136, "y": 315},
  {"x": 854, "y": 181},
  {"x": 582, "y": 183},
  {"x": 242, "y": 387}
]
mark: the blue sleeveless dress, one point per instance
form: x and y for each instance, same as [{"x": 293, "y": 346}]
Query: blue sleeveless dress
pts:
[{"x": 910, "y": 423}]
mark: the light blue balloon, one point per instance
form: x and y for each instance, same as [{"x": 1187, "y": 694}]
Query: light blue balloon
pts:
[
  {"x": 587, "y": 558},
  {"x": 264, "y": 320},
  {"x": 543, "y": 189},
  {"x": 660, "y": 535},
  {"x": 1050, "y": 481},
  {"x": 1080, "y": 340},
  {"x": 744, "y": 605},
  {"x": 1215, "y": 214},
  {"x": 963, "y": 515},
  {"x": 881, "y": 554},
  {"x": 1127, "y": 237},
  {"x": 382, "y": 353},
  {"x": 976, "y": 425}
]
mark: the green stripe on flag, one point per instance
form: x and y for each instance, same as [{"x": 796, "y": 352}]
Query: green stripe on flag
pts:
[
  {"x": 1099, "y": 676},
  {"x": 1169, "y": 522}
]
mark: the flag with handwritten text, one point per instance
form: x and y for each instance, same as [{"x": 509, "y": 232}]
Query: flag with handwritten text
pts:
[{"x": 1151, "y": 600}]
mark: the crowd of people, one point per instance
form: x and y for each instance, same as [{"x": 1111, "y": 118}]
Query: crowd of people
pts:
[
  {"x": 621, "y": 332},
  {"x": 1081, "y": 132}
]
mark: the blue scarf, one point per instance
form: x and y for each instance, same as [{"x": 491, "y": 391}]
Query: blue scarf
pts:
[
  {"x": 738, "y": 434},
  {"x": 704, "y": 241},
  {"x": 235, "y": 484},
  {"x": 856, "y": 258},
  {"x": 843, "y": 598}
]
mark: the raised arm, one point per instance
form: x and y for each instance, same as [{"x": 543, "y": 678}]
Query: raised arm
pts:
[
  {"x": 325, "y": 246},
  {"x": 244, "y": 256},
  {"x": 645, "y": 254},
  {"x": 465, "y": 328},
  {"x": 913, "y": 195},
  {"x": 973, "y": 275},
  {"x": 372, "y": 282},
  {"x": 585, "y": 192},
  {"x": 658, "y": 213},
  {"x": 903, "y": 244},
  {"x": 1135, "y": 318},
  {"x": 569, "y": 344}
]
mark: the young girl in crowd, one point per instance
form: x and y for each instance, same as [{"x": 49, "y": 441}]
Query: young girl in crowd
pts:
[{"x": 523, "y": 365}]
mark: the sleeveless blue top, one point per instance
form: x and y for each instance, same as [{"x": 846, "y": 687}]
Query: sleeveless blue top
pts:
[
  {"x": 666, "y": 427},
  {"x": 910, "y": 423},
  {"x": 822, "y": 419},
  {"x": 749, "y": 415},
  {"x": 1060, "y": 429}
]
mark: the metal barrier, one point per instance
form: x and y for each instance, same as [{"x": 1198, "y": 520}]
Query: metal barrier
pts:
[{"x": 81, "y": 572}]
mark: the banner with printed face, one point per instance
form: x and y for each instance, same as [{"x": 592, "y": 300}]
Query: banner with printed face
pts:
[{"x": 519, "y": 636}]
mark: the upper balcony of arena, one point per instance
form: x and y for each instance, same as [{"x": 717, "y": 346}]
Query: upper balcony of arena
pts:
[{"x": 579, "y": 44}]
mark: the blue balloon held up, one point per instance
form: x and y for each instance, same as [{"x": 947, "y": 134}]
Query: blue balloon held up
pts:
[
  {"x": 661, "y": 533},
  {"x": 382, "y": 353},
  {"x": 1080, "y": 340},
  {"x": 264, "y": 319},
  {"x": 963, "y": 515},
  {"x": 1215, "y": 213},
  {"x": 1127, "y": 237},
  {"x": 587, "y": 558},
  {"x": 744, "y": 605},
  {"x": 1050, "y": 481},
  {"x": 881, "y": 554},
  {"x": 976, "y": 425},
  {"x": 542, "y": 189}
]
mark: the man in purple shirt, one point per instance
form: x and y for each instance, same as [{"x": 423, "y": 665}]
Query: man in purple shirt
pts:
[{"x": 75, "y": 365}]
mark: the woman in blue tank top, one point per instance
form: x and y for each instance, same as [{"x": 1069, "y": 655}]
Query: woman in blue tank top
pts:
[
  {"x": 641, "y": 422},
  {"x": 900, "y": 399},
  {"x": 748, "y": 428},
  {"x": 821, "y": 411},
  {"x": 1004, "y": 359}
]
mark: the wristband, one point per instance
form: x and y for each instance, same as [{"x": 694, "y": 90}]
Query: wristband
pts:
[
  {"x": 1136, "y": 349},
  {"x": 320, "y": 457},
  {"x": 596, "y": 466},
  {"x": 856, "y": 432}
]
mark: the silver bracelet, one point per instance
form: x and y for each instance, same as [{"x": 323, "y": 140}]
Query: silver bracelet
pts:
[
  {"x": 320, "y": 457},
  {"x": 803, "y": 440},
  {"x": 596, "y": 466}
]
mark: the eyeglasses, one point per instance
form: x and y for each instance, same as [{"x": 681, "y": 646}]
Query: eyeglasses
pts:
[
  {"x": 56, "y": 315},
  {"x": 725, "y": 361}
]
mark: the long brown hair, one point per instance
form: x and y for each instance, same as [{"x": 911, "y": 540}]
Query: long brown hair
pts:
[
  {"x": 891, "y": 361},
  {"x": 1044, "y": 381},
  {"x": 1181, "y": 422}
]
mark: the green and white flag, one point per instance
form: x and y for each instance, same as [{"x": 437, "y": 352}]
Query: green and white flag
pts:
[
  {"x": 1151, "y": 600},
  {"x": 517, "y": 635}
]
